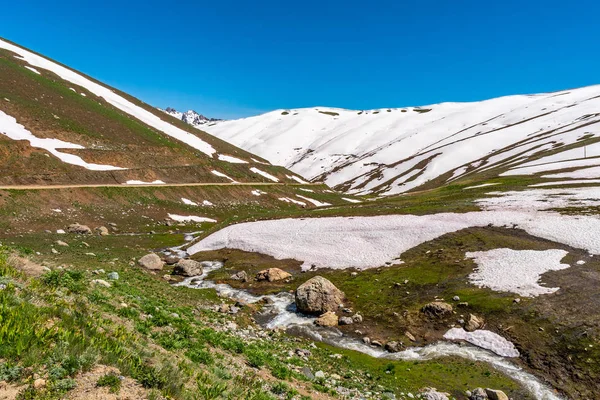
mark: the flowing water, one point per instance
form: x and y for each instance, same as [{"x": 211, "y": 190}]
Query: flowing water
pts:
[{"x": 280, "y": 312}]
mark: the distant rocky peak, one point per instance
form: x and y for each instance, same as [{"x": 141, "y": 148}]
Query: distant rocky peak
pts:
[{"x": 190, "y": 117}]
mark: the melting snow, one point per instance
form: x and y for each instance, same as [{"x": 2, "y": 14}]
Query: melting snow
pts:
[
  {"x": 297, "y": 179},
  {"x": 135, "y": 182},
  {"x": 317, "y": 203},
  {"x": 222, "y": 175},
  {"x": 351, "y": 200},
  {"x": 190, "y": 218},
  {"x": 516, "y": 271},
  {"x": 265, "y": 174},
  {"x": 231, "y": 159},
  {"x": 480, "y": 186},
  {"x": 288, "y": 200},
  {"x": 258, "y": 192},
  {"x": 584, "y": 173},
  {"x": 15, "y": 131},
  {"x": 111, "y": 97},
  {"x": 484, "y": 339},
  {"x": 542, "y": 199},
  {"x": 33, "y": 70},
  {"x": 571, "y": 182},
  {"x": 368, "y": 242},
  {"x": 188, "y": 202},
  {"x": 207, "y": 203}
]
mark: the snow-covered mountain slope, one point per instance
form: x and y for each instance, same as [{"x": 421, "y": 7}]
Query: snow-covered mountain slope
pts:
[
  {"x": 60, "y": 126},
  {"x": 190, "y": 117},
  {"x": 390, "y": 151}
]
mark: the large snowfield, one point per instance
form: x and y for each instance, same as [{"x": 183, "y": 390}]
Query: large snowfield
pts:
[{"x": 386, "y": 148}]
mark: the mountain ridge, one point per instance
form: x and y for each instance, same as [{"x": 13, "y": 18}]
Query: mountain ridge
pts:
[{"x": 395, "y": 150}]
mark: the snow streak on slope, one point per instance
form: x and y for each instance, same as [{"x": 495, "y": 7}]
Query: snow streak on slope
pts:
[
  {"x": 11, "y": 129},
  {"x": 111, "y": 97},
  {"x": 390, "y": 151}
]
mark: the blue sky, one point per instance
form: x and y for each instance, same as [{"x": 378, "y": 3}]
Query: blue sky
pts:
[{"x": 237, "y": 58}]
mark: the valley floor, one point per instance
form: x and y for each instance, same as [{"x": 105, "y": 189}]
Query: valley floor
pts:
[{"x": 181, "y": 342}]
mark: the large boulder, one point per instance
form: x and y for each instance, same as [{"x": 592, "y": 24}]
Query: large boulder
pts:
[
  {"x": 327, "y": 319},
  {"x": 152, "y": 262},
  {"x": 433, "y": 394},
  {"x": 437, "y": 309},
  {"x": 188, "y": 268},
  {"x": 272, "y": 275},
  {"x": 317, "y": 296},
  {"x": 79, "y": 229},
  {"x": 496, "y": 394}
]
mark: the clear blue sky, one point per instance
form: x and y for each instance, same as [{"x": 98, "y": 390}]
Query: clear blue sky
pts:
[{"x": 237, "y": 58}]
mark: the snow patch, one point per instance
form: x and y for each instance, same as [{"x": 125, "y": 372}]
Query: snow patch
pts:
[
  {"x": 297, "y": 179},
  {"x": 15, "y": 131},
  {"x": 480, "y": 186},
  {"x": 188, "y": 202},
  {"x": 136, "y": 182},
  {"x": 351, "y": 200},
  {"x": 33, "y": 70},
  {"x": 258, "y": 192},
  {"x": 369, "y": 242},
  {"x": 222, "y": 175},
  {"x": 289, "y": 200},
  {"x": 190, "y": 218},
  {"x": 516, "y": 271},
  {"x": 111, "y": 97},
  {"x": 231, "y": 159},
  {"x": 265, "y": 174},
  {"x": 486, "y": 340},
  {"x": 317, "y": 203},
  {"x": 571, "y": 182}
]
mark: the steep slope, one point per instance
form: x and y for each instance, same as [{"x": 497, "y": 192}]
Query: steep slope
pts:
[
  {"x": 59, "y": 126},
  {"x": 390, "y": 151}
]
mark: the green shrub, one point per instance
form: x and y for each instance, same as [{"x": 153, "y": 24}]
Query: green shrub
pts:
[
  {"x": 256, "y": 357},
  {"x": 200, "y": 355},
  {"x": 71, "y": 280},
  {"x": 9, "y": 372},
  {"x": 110, "y": 380}
]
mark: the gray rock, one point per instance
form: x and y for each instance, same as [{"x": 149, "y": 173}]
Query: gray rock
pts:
[
  {"x": 113, "y": 276},
  {"x": 327, "y": 319},
  {"x": 437, "y": 309},
  {"x": 346, "y": 321},
  {"x": 473, "y": 323},
  {"x": 308, "y": 373},
  {"x": 172, "y": 259},
  {"x": 101, "y": 282},
  {"x": 319, "y": 374},
  {"x": 188, "y": 268},
  {"x": 478, "y": 394},
  {"x": 79, "y": 229},
  {"x": 61, "y": 243},
  {"x": 272, "y": 275},
  {"x": 102, "y": 231},
  {"x": 496, "y": 394},
  {"x": 433, "y": 394},
  {"x": 317, "y": 296},
  {"x": 241, "y": 276},
  {"x": 393, "y": 347},
  {"x": 357, "y": 318},
  {"x": 152, "y": 262}
]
